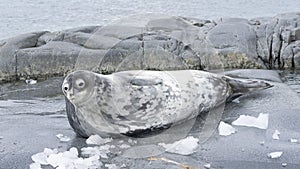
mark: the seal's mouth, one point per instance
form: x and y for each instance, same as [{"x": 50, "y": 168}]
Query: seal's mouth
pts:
[{"x": 71, "y": 97}]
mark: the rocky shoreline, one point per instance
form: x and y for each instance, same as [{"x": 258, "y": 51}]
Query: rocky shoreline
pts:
[{"x": 155, "y": 42}]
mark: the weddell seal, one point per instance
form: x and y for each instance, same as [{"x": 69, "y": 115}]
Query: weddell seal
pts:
[{"x": 132, "y": 102}]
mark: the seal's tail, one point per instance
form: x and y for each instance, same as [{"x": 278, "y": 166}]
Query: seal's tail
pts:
[{"x": 243, "y": 86}]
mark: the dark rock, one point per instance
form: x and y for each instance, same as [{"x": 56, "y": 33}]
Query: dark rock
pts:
[
  {"x": 54, "y": 58},
  {"x": 8, "y": 50},
  {"x": 155, "y": 42}
]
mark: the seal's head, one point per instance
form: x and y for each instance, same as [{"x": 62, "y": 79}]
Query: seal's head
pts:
[{"x": 78, "y": 86}]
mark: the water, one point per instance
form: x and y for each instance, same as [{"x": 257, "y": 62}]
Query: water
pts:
[{"x": 22, "y": 16}]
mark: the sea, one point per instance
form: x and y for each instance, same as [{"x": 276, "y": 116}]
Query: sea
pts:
[{"x": 22, "y": 16}]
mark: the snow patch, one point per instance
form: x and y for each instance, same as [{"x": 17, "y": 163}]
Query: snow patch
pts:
[
  {"x": 275, "y": 154},
  {"x": 225, "y": 129},
  {"x": 185, "y": 146},
  {"x": 97, "y": 140},
  {"x": 275, "y": 135},
  {"x": 260, "y": 122}
]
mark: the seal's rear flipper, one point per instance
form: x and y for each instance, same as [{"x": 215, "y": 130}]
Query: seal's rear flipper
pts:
[{"x": 242, "y": 86}]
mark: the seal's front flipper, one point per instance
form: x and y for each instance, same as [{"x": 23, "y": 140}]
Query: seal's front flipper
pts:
[{"x": 242, "y": 86}]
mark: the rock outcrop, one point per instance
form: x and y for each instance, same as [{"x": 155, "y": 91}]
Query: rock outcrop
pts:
[{"x": 155, "y": 42}]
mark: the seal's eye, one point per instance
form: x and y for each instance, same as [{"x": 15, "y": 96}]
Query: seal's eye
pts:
[{"x": 80, "y": 83}]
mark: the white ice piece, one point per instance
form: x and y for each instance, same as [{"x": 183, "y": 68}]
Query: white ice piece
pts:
[
  {"x": 260, "y": 122},
  {"x": 62, "y": 160},
  {"x": 40, "y": 158},
  {"x": 124, "y": 146},
  {"x": 292, "y": 140},
  {"x": 63, "y": 138},
  {"x": 35, "y": 166},
  {"x": 276, "y": 154},
  {"x": 97, "y": 140},
  {"x": 30, "y": 81},
  {"x": 207, "y": 166},
  {"x": 225, "y": 129},
  {"x": 111, "y": 166},
  {"x": 101, "y": 151},
  {"x": 185, "y": 146},
  {"x": 275, "y": 135}
]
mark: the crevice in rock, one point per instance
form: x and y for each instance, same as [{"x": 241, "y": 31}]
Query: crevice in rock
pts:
[
  {"x": 279, "y": 50},
  {"x": 271, "y": 53},
  {"x": 258, "y": 43},
  {"x": 143, "y": 51},
  {"x": 37, "y": 39},
  {"x": 16, "y": 67},
  {"x": 293, "y": 58}
]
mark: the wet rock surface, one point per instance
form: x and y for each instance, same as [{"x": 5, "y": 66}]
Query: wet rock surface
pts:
[
  {"x": 155, "y": 42},
  {"x": 32, "y": 116}
]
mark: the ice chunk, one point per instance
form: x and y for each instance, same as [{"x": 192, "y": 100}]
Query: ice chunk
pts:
[
  {"x": 185, "y": 146},
  {"x": 292, "y": 140},
  {"x": 67, "y": 159},
  {"x": 40, "y": 158},
  {"x": 1, "y": 137},
  {"x": 101, "y": 151},
  {"x": 275, "y": 154},
  {"x": 111, "y": 166},
  {"x": 71, "y": 154},
  {"x": 63, "y": 138},
  {"x": 35, "y": 166},
  {"x": 97, "y": 140},
  {"x": 225, "y": 129},
  {"x": 283, "y": 164},
  {"x": 275, "y": 135},
  {"x": 56, "y": 160},
  {"x": 260, "y": 122},
  {"x": 30, "y": 81},
  {"x": 48, "y": 151},
  {"x": 124, "y": 146},
  {"x": 130, "y": 141},
  {"x": 207, "y": 166}
]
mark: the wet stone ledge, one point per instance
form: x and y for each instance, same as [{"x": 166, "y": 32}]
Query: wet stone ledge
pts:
[{"x": 155, "y": 42}]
